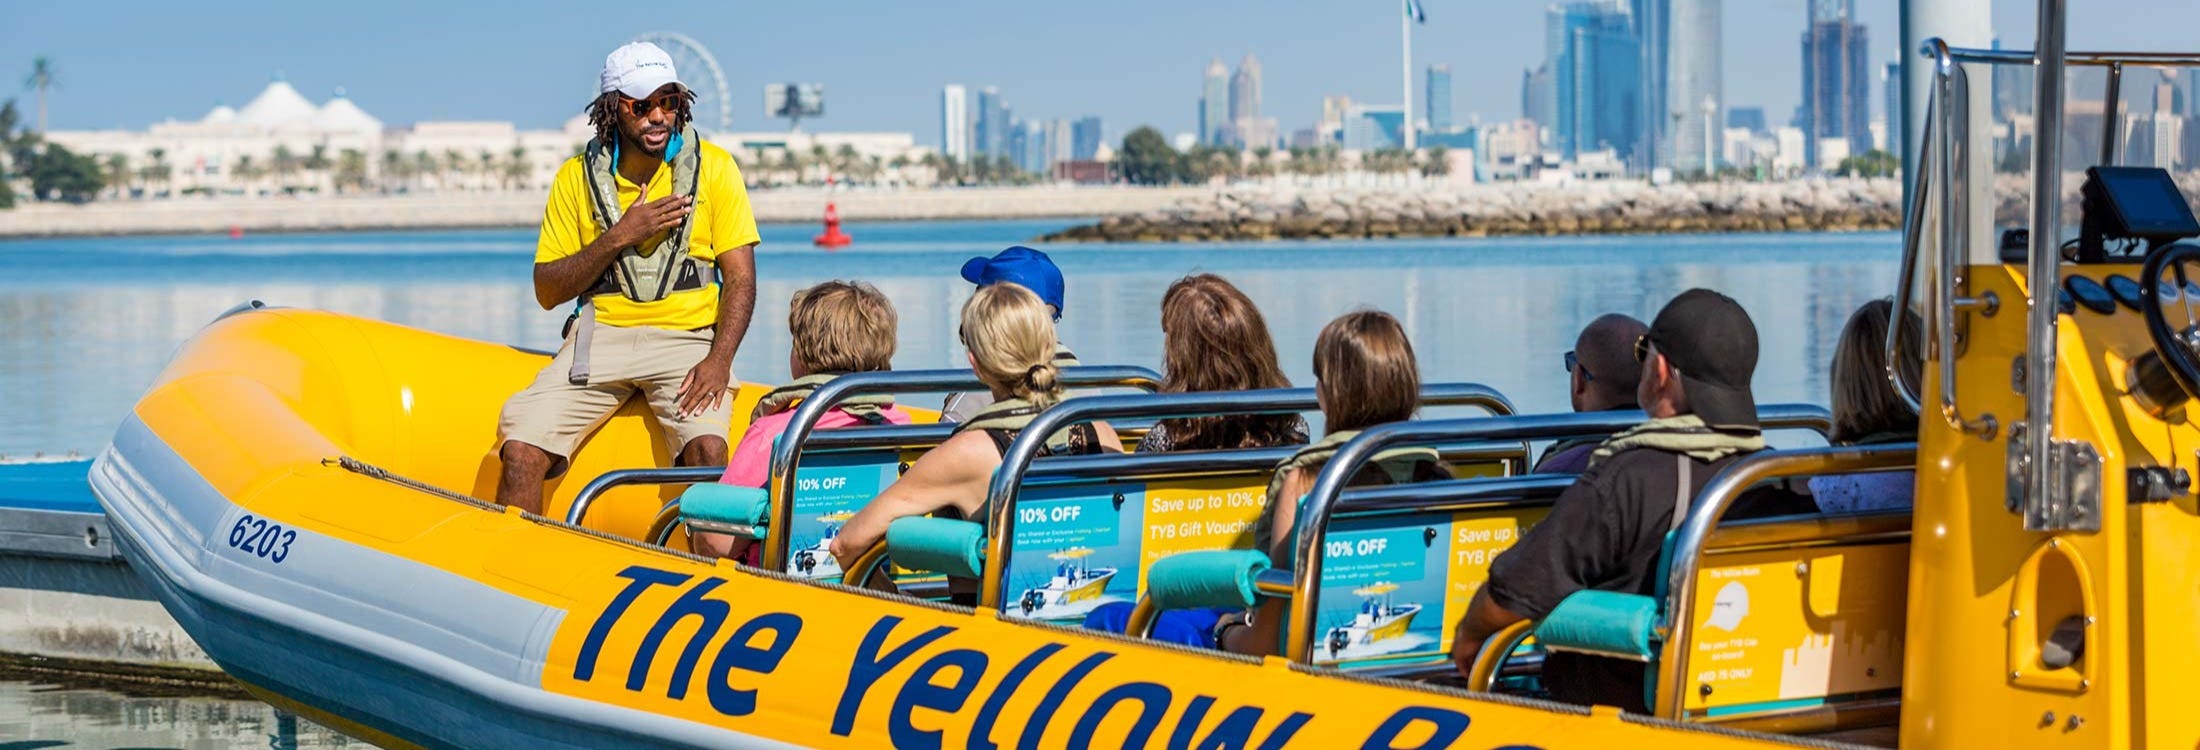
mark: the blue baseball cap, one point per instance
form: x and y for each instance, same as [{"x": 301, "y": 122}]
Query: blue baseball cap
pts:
[{"x": 1023, "y": 267}]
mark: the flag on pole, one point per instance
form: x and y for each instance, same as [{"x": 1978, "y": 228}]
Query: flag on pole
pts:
[{"x": 1413, "y": 10}]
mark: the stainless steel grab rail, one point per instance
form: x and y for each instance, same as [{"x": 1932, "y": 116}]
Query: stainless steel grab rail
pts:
[
  {"x": 1320, "y": 503},
  {"x": 1001, "y": 493},
  {"x": 606, "y": 481},
  {"x": 2081, "y": 59},
  {"x": 1951, "y": 97},
  {"x": 2045, "y": 268},
  {"x": 829, "y": 395},
  {"x": 1703, "y": 516},
  {"x": 1913, "y": 238},
  {"x": 1191, "y": 463},
  {"x": 788, "y": 449}
]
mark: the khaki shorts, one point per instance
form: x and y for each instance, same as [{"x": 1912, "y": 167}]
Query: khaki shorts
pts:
[{"x": 554, "y": 414}]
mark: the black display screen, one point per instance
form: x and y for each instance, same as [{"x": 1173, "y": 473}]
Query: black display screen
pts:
[{"x": 2146, "y": 202}]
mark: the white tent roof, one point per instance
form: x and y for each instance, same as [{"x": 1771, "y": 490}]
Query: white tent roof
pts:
[
  {"x": 221, "y": 114},
  {"x": 339, "y": 115},
  {"x": 279, "y": 105}
]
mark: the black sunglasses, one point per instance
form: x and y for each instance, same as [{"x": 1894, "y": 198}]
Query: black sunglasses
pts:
[
  {"x": 1573, "y": 365},
  {"x": 640, "y": 107},
  {"x": 1642, "y": 348}
]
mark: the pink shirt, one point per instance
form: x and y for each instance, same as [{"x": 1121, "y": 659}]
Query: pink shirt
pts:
[{"x": 751, "y": 462}]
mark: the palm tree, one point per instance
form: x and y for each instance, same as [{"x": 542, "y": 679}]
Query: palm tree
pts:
[
  {"x": 285, "y": 163},
  {"x": 845, "y": 159},
  {"x": 423, "y": 164},
  {"x": 117, "y": 174},
  {"x": 351, "y": 170},
  {"x": 317, "y": 161},
  {"x": 157, "y": 172},
  {"x": 245, "y": 173},
  {"x": 516, "y": 167},
  {"x": 393, "y": 167},
  {"x": 454, "y": 163},
  {"x": 487, "y": 168},
  {"x": 821, "y": 159},
  {"x": 1438, "y": 162},
  {"x": 40, "y": 80},
  {"x": 932, "y": 161}
]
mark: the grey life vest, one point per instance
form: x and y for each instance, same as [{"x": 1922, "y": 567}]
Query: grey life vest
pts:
[
  {"x": 643, "y": 273},
  {"x": 869, "y": 407}
]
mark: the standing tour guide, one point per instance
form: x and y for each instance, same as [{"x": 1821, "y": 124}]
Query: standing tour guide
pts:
[{"x": 650, "y": 230}]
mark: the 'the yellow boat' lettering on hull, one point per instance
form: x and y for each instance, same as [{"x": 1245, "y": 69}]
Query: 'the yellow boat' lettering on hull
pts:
[{"x": 663, "y": 631}]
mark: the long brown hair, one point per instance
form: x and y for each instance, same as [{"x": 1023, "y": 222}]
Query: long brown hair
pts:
[
  {"x": 1214, "y": 339},
  {"x": 1864, "y": 403},
  {"x": 1010, "y": 334},
  {"x": 1365, "y": 371}
]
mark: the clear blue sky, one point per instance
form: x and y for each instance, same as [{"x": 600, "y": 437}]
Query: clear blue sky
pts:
[{"x": 128, "y": 64}]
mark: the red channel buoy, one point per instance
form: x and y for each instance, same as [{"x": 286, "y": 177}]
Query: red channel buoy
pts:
[
  {"x": 832, "y": 238},
  {"x": 236, "y": 231}
]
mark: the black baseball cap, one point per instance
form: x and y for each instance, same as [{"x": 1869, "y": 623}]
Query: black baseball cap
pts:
[{"x": 1709, "y": 338}]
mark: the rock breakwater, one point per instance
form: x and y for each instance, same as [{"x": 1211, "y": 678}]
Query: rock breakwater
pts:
[{"x": 1508, "y": 210}]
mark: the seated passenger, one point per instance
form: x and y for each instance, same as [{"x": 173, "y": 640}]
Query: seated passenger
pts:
[
  {"x": 1867, "y": 411},
  {"x": 838, "y": 327},
  {"x": 1032, "y": 270},
  {"x": 1607, "y": 530},
  {"x": 1602, "y": 371},
  {"x": 1214, "y": 339},
  {"x": 1010, "y": 335},
  {"x": 1364, "y": 375}
]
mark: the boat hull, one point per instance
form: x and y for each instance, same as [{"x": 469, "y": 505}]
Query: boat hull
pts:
[
  {"x": 387, "y": 676},
  {"x": 413, "y": 618}
]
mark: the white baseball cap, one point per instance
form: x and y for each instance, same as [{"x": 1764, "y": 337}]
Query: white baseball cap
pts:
[{"x": 637, "y": 70}]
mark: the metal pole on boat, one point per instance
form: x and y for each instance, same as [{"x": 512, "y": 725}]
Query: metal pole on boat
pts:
[
  {"x": 1405, "y": 68},
  {"x": 2043, "y": 272},
  {"x": 1963, "y": 23}
]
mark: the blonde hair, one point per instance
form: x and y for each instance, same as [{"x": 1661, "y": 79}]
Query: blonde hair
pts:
[
  {"x": 1864, "y": 403},
  {"x": 1365, "y": 371},
  {"x": 842, "y": 326},
  {"x": 1010, "y": 334}
]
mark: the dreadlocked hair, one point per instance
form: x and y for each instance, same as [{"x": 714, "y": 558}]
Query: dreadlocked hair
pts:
[{"x": 603, "y": 114}]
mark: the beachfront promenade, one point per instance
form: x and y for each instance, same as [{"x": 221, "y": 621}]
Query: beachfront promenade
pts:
[
  {"x": 524, "y": 209},
  {"x": 1125, "y": 213}
]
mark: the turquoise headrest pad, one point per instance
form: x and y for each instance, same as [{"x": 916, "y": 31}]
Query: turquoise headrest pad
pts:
[
  {"x": 1605, "y": 623},
  {"x": 725, "y": 503},
  {"x": 940, "y": 545},
  {"x": 1206, "y": 578}
]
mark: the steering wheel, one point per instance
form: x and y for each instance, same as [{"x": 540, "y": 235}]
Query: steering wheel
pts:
[{"x": 2177, "y": 349}]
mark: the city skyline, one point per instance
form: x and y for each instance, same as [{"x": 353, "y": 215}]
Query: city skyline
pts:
[{"x": 480, "y": 64}]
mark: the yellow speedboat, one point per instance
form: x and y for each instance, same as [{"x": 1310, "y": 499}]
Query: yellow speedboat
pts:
[
  {"x": 378, "y": 600},
  {"x": 300, "y": 487}
]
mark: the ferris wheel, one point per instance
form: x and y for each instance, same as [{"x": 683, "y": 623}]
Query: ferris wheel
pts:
[{"x": 700, "y": 71}]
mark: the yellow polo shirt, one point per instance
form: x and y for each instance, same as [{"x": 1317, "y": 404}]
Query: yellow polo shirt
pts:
[{"x": 722, "y": 221}]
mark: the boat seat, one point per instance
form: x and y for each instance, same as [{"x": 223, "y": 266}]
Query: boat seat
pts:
[
  {"x": 1797, "y": 624},
  {"x": 1225, "y": 579},
  {"x": 1387, "y": 578},
  {"x": 948, "y": 546},
  {"x": 726, "y": 509}
]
